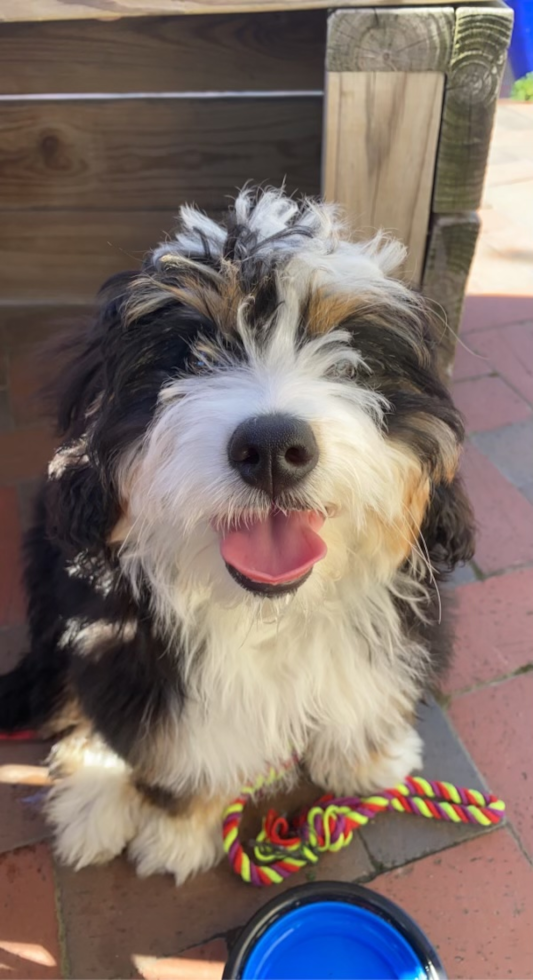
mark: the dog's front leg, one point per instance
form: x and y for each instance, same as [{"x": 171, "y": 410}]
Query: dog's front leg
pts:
[
  {"x": 93, "y": 806},
  {"x": 181, "y": 837},
  {"x": 346, "y": 766},
  {"x": 98, "y": 806}
]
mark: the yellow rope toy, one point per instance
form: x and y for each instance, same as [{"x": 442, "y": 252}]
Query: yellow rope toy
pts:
[{"x": 283, "y": 848}]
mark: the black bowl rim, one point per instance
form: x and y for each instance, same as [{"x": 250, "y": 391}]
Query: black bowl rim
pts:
[{"x": 336, "y": 891}]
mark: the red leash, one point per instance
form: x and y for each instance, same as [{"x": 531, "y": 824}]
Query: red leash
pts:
[{"x": 28, "y": 736}]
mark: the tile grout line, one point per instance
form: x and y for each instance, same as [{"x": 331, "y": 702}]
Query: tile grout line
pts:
[
  {"x": 507, "y": 822},
  {"x": 518, "y": 841},
  {"x": 483, "y": 685},
  {"x": 484, "y": 330},
  {"x": 477, "y": 834},
  {"x": 64, "y": 964},
  {"x": 482, "y": 576}
]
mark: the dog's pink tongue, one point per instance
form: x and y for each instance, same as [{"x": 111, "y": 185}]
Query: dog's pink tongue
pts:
[{"x": 278, "y": 549}]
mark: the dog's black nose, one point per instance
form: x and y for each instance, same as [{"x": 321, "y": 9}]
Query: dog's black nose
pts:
[{"x": 273, "y": 452}]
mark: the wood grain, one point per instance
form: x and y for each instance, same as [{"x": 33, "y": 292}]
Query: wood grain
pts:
[
  {"x": 64, "y": 257},
  {"x": 37, "y": 10},
  {"x": 452, "y": 243},
  {"x": 154, "y": 153},
  {"x": 270, "y": 51},
  {"x": 25, "y": 327},
  {"x": 482, "y": 36},
  {"x": 380, "y": 144},
  {"x": 390, "y": 40}
]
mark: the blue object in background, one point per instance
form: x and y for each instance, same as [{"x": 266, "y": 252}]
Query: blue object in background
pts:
[
  {"x": 332, "y": 930},
  {"x": 521, "y": 49}
]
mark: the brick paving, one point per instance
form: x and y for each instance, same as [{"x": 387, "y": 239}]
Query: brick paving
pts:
[{"x": 470, "y": 892}]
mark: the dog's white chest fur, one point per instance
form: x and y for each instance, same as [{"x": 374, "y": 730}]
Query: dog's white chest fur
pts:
[
  {"x": 265, "y": 687},
  {"x": 328, "y": 686}
]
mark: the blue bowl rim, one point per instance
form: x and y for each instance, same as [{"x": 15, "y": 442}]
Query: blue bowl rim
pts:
[{"x": 333, "y": 891}]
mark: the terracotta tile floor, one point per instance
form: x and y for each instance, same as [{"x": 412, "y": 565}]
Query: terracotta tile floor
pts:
[{"x": 474, "y": 896}]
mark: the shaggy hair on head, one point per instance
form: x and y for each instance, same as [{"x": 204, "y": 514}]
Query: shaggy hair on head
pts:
[{"x": 237, "y": 549}]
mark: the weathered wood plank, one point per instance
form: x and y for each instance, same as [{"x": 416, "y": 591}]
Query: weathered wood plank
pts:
[
  {"x": 381, "y": 132},
  {"x": 65, "y": 256},
  {"x": 452, "y": 243},
  {"x": 26, "y": 325},
  {"x": 482, "y": 36},
  {"x": 270, "y": 51},
  {"x": 37, "y": 10},
  {"x": 154, "y": 153},
  {"x": 390, "y": 40}
]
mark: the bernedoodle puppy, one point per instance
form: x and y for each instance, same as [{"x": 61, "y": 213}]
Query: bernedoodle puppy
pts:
[{"x": 236, "y": 551}]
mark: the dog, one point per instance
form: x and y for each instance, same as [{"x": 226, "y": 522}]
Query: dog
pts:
[{"x": 237, "y": 550}]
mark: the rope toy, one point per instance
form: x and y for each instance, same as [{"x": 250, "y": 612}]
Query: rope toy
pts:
[{"x": 283, "y": 848}]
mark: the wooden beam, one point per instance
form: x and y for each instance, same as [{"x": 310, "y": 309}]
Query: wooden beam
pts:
[
  {"x": 452, "y": 243},
  {"x": 40, "y": 10},
  {"x": 380, "y": 141},
  {"x": 482, "y": 36},
  {"x": 22, "y": 326},
  {"x": 390, "y": 40},
  {"x": 270, "y": 51},
  {"x": 147, "y": 154},
  {"x": 65, "y": 256}
]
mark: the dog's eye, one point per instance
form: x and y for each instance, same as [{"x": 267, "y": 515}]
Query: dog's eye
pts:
[
  {"x": 345, "y": 369},
  {"x": 199, "y": 364}
]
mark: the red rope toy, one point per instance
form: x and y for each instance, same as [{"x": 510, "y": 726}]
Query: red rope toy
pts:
[{"x": 283, "y": 848}]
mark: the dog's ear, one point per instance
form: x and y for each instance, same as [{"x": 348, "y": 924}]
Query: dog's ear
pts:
[
  {"x": 449, "y": 528},
  {"x": 81, "y": 509},
  {"x": 81, "y": 504}
]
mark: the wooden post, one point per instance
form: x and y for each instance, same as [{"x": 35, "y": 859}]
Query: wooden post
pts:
[
  {"x": 480, "y": 43},
  {"x": 410, "y": 101},
  {"x": 452, "y": 242},
  {"x": 482, "y": 36},
  {"x": 384, "y": 91}
]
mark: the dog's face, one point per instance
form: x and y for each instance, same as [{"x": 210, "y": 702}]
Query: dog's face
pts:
[{"x": 258, "y": 413}]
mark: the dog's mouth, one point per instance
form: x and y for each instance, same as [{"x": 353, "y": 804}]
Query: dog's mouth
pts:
[{"x": 273, "y": 555}]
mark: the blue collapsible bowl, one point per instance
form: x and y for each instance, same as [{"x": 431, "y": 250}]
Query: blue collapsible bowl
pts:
[{"x": 331, "y": 929}]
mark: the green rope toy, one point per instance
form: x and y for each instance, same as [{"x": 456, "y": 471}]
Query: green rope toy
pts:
[{"x": 283, "y": 848}]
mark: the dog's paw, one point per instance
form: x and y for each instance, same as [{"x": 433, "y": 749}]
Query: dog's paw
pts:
[
  {"x": 380, "y": 770},
  {"x": 178, "y": 845},
  {"x": 385, "y": 769},
  {"x": 94, "y": 815}
]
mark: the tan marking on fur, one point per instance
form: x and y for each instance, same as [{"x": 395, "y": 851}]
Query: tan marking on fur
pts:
[
  {"x": 416, "y": 501},
  {"x": 69, "y": 716},
  {"x": 217, "y": 297},
  {"x": 65, "y": 719},
  {"x": 202, "y": 809},
  {"x": 450, "y": 451},
  {"x": 397, "y": 538},
  {"x": 120, "y": 531},
  {"x": 325, "y": 311}
]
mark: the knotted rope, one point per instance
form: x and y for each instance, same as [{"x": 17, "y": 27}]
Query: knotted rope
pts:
[{"x": 284, "y": 847}]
